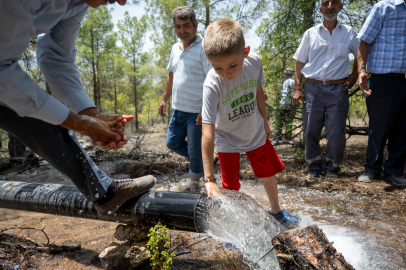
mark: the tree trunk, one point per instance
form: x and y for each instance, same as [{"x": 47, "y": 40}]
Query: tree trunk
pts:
[
  {"x": 16, "y": 148},
  {"x": 308, "y": 20},
  {"x": 98, "y": 106},
  {"x": 135, "y": 96},
  {"x": 207, "y": 6},
  {"x": 94, "y": 71},
  {"x": 307, "y": 248},
  {"x": 115, "y": 97}
]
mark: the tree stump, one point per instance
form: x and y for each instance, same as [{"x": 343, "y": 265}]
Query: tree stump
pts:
[{"x": 307, "y": 248}]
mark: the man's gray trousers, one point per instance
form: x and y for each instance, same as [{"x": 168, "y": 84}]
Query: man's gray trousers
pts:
[
  {"x": 325, "y": 104},
  {"x": 62, "y": 150}
]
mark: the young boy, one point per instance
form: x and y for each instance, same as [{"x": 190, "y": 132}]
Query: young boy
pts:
[{"x": 234, "y": 115}]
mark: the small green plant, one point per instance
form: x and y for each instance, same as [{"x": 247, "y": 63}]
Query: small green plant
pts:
[
  {"x": 299, "y": 153},
  {"x": 338, "y": 207},
  {"x": 159, "y": 246}
]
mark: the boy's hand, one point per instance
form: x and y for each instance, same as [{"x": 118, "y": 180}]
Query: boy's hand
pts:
[
  {"x": 199, "y": 119},
  {"x": 212, "y": 189},
  {"x": 268, "y": 130}
]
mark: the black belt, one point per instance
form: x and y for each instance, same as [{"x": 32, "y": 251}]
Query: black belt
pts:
[{"x": 393, "y": 75}]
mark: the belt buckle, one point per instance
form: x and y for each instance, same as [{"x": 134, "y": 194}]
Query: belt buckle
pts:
[{"x": 324, "y": 82}]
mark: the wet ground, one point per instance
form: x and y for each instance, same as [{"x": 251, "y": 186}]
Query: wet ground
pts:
[{"x": 366, "y": 222}]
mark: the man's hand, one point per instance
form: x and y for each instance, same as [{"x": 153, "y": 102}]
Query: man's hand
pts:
[
  {"x": 119, "y": 128},
  {"x": 351, "y": 80},
  {"x": 162, "y": 108},
  {"x": 268, "y": 130},
  {"x": 363, "y": 83},
  {"x": 212, "y": 189},
  {"x": 298, "y": 95},
  {"x": 97, "y": 130},
  {"x": 199, "y": 119}
]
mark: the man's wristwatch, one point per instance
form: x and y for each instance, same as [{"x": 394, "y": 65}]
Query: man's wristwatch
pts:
[{"x": 206, "y": 180}]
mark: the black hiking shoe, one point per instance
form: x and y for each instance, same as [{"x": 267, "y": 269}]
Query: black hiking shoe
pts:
[
  {"x": 394, "y": 180},
  {"x": 126, "y": 189}
]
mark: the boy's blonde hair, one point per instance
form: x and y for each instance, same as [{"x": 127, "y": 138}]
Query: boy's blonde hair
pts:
[{"x": 222, "y": 38}]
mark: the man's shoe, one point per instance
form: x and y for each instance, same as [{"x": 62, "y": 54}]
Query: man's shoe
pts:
[
  {"x": 311, "y": 175},
  {"x": 368, "y": 177},
  {"x": 331, "y": 174},
  {"x": 394, "y": 180},
  {"x": 126, "y": 189},
  {"x": 285, "y": 218}
]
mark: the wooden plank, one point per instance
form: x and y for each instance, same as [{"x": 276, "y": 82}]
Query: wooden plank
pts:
[{"x": 307, "y": 248}]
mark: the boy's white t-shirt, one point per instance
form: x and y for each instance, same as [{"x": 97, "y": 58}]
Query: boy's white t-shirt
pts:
[{"x": 232, "y": 106}]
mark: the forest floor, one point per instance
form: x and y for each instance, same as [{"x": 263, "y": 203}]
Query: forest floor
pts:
[{"x": 154, "y": 158}]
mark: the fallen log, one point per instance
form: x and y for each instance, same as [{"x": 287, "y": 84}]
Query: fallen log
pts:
[{"x": 307, "y": 248}]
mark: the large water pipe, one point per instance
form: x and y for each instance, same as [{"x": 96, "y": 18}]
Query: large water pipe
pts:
[{"x": 176, "y": 210}]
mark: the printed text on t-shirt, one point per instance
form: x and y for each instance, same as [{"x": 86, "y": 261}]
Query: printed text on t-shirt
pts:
[{"x": 238, "y": 89}]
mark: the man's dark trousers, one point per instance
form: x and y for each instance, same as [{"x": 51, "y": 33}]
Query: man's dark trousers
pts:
[
  {"x": 62, "y": 150},
  {"x": 387, "y": 122},
  {"x": 325, "y": 105}
]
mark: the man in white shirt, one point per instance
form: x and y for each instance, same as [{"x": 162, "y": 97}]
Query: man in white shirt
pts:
[
  {"x": 322, "y": 58},
  {"x": 188, "y": 67},
  {"x": 286, "y": 111}
]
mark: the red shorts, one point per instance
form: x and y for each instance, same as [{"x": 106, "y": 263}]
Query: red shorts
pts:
[{"x": 264, "y": 160}]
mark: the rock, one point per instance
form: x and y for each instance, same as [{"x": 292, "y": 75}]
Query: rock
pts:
[
  {"x": 124, "y": 257},
  {"x": 112, "y": 257},
  {"x": 132, "y": 233},
  {"x": 137, "y": 256}
]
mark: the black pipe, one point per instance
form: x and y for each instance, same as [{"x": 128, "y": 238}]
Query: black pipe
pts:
[{"x": 174, "y": 209}]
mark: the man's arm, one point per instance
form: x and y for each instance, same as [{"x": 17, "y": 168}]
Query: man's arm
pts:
[
  {"x": 207, "y": 155},
  {"x": 362, "y": 62},
  {"x": 167, "y": 94},
  {"x": 298, "y": 95},
  {"x": 56, "y": 54},
  {"x": 262, "y": 109}
]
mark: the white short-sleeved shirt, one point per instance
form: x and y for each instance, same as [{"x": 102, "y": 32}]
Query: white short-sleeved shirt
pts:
[
  {"x": 232, "y": 106},
  {"x": 189, "y": 67},
  {"x": 325, "y": 54},
  {"x": 288, "y": 91}
]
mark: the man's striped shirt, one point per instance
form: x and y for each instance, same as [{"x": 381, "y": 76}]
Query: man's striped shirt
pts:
[
  {"x": 189, "y": 68},
  {"x": 385, "y": 31}
]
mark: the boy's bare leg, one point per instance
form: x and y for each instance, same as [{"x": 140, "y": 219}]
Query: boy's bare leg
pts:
[{"x": 271, "y": 189}]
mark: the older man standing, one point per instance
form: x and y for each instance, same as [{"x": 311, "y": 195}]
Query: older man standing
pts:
[
  {"x": 47, "y": 124},
  {"x": 383, "y": 53},
  {"x": 287, "y": 110},
  {"x": 188, "y": 67},
  {"x": 322, "y": 58}
]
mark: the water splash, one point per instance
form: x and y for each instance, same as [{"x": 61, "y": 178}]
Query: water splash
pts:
[{"x": 237, "y": 218}]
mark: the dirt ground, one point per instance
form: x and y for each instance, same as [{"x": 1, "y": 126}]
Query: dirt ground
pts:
[{"x": 154, "y": 158}]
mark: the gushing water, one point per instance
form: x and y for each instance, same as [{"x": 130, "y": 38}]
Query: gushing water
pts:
[{"x": 237, "y": 218}]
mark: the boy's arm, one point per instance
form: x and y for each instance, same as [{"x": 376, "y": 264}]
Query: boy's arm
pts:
[
  {"x": 207, "y": 154},
  {"x": 262, "y": 110}
]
